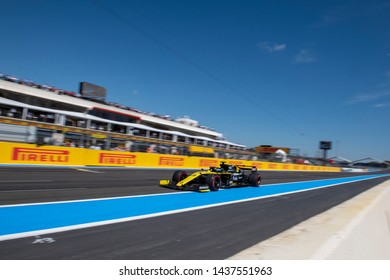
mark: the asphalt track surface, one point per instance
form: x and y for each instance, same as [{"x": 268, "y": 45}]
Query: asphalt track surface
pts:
[{"x": 206, "y": 233}]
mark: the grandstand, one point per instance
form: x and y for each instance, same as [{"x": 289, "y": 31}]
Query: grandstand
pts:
[{"x": 48, "y": 115}]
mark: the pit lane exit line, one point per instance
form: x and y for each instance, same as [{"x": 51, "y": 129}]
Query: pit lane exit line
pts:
[{"x": 24, "y": 220}]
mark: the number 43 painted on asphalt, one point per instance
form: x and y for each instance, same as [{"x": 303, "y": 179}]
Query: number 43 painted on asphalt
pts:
[{"x": 39, "y": 240}]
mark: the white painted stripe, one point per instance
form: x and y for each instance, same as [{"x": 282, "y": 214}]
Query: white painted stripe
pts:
[
  {"x": 91, "y": 199},
  {"x": 40, "y": 190},
  {"x": 89, "y": 170},
  {"x": 26, "y": 181}
]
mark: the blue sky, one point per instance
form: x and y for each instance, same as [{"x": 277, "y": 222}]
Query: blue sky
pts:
[{"x": 283, "y": 73}]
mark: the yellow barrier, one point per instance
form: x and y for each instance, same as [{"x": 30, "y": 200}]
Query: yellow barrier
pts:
[
  {"x": 201, "y": 150},
  {"x": 15, "y": 153}
]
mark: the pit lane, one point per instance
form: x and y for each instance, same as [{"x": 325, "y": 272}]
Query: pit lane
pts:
[{"x": 212, "y": 233}]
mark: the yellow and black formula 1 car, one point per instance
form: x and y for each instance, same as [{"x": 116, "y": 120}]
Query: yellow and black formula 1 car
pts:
[{"x": 214, "y": 178}]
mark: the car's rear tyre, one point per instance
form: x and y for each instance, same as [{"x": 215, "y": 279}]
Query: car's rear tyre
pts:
[
  {"x": 254, "y": 179},
  {"x": 214, "y": 182},
  {"x": 178, "y": 176}
]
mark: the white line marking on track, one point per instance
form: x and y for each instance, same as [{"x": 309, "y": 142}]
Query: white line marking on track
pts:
[
  {"x": 39, "y": 190},
  {"x": 26, "y": 181},
  {"x": 92, "y": 199},
  {"x": 88, "y": 170}
]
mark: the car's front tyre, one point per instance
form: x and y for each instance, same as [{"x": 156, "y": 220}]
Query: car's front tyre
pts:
[{"x": 178, "y": 176}]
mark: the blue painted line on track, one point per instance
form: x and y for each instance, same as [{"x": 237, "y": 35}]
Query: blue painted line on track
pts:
[{"x": 16, "y": 219}]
